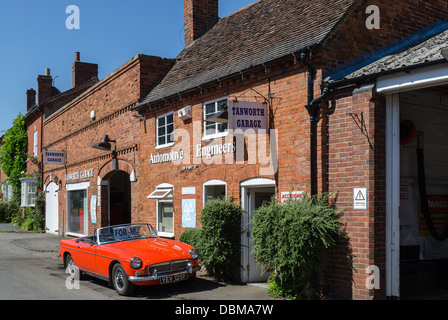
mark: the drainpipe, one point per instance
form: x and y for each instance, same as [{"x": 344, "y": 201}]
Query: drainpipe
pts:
[{"x": 313, "y": 107}]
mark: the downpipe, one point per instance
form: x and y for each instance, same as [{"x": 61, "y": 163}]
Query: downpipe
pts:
[{"x": 313, "y": 108}]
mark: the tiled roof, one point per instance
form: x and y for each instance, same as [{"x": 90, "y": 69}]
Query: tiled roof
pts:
[
  {"x": 416, "y": 54},
  {"x": 261, "y": 32}
]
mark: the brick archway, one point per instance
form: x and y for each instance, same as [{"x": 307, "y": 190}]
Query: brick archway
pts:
[{"x": 121, "y": 165}]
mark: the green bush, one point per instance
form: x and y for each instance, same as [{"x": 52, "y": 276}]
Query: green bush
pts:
[
  {"x": 291, "y": 239},
  {"x": 191, "y": 237},
  {"x": 34, "y": 221},
  {"x": 8, "y": 210},
  {"x": 219, "y": 245}
]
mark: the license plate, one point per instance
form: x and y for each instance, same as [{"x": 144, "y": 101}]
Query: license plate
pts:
[{"x": 174, "y": 278}]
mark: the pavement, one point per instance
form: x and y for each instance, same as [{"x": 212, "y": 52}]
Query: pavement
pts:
[{"x": 44, "y": 242}]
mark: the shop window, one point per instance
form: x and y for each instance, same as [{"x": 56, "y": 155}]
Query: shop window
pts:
[
  {"x": 165, "y": 130},
  {"x": 77, "y": 209},
  {"x": 28, "y": 192},
  {"x": 214, "y": 189},
  {"x": 165, "y": 209},
  {"x": 214, "y": 129}
]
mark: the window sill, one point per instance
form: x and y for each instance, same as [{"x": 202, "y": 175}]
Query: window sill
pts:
[
  {"x": 215, "y": 136},
  {"x": 165, "y": 234},
  {"x": 164, "y": 146}
]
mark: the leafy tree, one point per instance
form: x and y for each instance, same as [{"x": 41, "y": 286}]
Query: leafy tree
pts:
[{"x": 13, "y": 154}]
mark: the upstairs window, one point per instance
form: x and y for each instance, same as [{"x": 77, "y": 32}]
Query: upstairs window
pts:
[
  {"x": 165, "y": 130},
  {"x": 214, "y": 129}
]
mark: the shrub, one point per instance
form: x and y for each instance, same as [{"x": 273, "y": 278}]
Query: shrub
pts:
[
  {"x": 219, "y": 246},
  {"x": 8, "y": 210},
  {"x": 191, "y": 237},
  {"x": 34, "y": 221},
  {"x": 292, "y": 239}
]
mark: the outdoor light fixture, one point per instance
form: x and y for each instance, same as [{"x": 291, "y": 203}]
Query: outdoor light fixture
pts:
[
  {"x": 444, "y": 53},
  {"x": 219, "y": 117},
  {"x": 105, "y": 145}
]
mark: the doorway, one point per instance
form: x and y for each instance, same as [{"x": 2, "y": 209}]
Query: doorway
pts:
[
  {"x": 52, "y": 208},
  {"x": 423, "y": 253},
  {"x": 416, "y": 126},
  {"x": 254, "y": 193},
  {"x": 119, "y": 198}
]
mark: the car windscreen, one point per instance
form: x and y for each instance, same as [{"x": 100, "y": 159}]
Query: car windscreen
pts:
[{"x": 125, "y": 233}]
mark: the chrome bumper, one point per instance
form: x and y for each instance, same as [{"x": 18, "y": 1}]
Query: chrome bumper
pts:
[{"x": 155, "y": 276}]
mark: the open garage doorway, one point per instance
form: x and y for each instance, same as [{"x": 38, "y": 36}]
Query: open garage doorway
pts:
[
  {"x": 119, "y": 198},
  {"x": 423, "y": 264}
]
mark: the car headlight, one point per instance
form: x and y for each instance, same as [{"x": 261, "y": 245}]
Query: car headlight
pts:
[
  {"x": 193, "y": 253},
  {"x": 136, "y": 263}
]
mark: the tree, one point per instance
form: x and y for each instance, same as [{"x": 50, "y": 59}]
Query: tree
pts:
[{"x": 13, "y": 154}]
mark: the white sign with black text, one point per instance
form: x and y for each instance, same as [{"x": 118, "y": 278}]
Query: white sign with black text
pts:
[
  {"x": 360, "y": 198},
  {"x": 246, "y": 115}
]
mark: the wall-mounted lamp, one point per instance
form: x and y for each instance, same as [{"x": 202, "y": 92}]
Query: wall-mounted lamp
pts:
[{"x": 105, "y": 145}]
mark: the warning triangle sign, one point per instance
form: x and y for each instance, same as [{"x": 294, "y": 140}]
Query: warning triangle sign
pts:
[{"x": 360, "y": 196}]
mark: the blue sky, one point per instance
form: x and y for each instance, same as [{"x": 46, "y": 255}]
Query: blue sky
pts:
[{"x": 33, "y": 36}]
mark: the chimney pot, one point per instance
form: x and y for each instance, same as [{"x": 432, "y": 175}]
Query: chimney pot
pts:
[{"x": 77, "y": 56}]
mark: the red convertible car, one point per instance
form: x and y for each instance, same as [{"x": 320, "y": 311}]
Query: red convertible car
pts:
[{"x": 128, "y": 255}]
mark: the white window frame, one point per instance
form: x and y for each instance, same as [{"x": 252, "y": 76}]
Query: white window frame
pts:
[
  {"x": 35, "y": 143},
  {"x": 166, "y": 191},
  {"x": 7, "y": 192},
  {"x": 160, "y": 194},
  {"x": 217, "y": 134},
  {"x": 212, "y": 183},
  {"x": 76, "y": 187},
  {"x": 166, "y": 144},
  {"x": 28, "y": 195}
]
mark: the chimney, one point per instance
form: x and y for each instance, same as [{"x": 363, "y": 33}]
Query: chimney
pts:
[
  {"x": 83, "y": 71},
  {"x": 44, "y": 86},
  {"x": 199, "y": 15},
  {"x": 30, "y": 99}
]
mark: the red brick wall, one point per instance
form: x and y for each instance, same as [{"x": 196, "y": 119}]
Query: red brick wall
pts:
[
  {"x": 33, "y": 123},
  {"x": 288, "y": 87},
  {"x": 356, "y": 135},
  {"x": 351, "y": 41},
  {"x": 72, "y": 129}
]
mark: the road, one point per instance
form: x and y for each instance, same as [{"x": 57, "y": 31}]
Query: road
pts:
[{"x": 32, "y": 275}]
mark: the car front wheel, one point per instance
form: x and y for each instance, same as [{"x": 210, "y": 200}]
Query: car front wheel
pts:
[{"x": 120, "y": 281}]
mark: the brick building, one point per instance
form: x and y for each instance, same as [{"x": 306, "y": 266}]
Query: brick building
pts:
[{"x": 277, "y": 99}]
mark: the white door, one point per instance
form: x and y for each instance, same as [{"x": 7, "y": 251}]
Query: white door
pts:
[
  {"x": 51, "y": 208},
  {"x": 253, "y": 192}
]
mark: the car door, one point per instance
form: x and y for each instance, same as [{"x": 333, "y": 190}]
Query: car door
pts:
[{"x": 86, "y": 255}]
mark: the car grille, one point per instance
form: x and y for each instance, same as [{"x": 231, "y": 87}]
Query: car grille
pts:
[{"x": 170, "y": 266}]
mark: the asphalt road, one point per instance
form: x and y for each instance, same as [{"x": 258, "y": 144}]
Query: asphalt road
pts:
[{"x": 35, "y": 275}]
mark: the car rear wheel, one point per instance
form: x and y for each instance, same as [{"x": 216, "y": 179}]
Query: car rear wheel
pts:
[
  {"x": 120, "y": 281},
  {"x": 70, "y": 266}
]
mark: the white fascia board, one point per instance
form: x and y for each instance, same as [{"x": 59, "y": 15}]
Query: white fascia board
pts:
[{"x": 413, "y": 80}]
